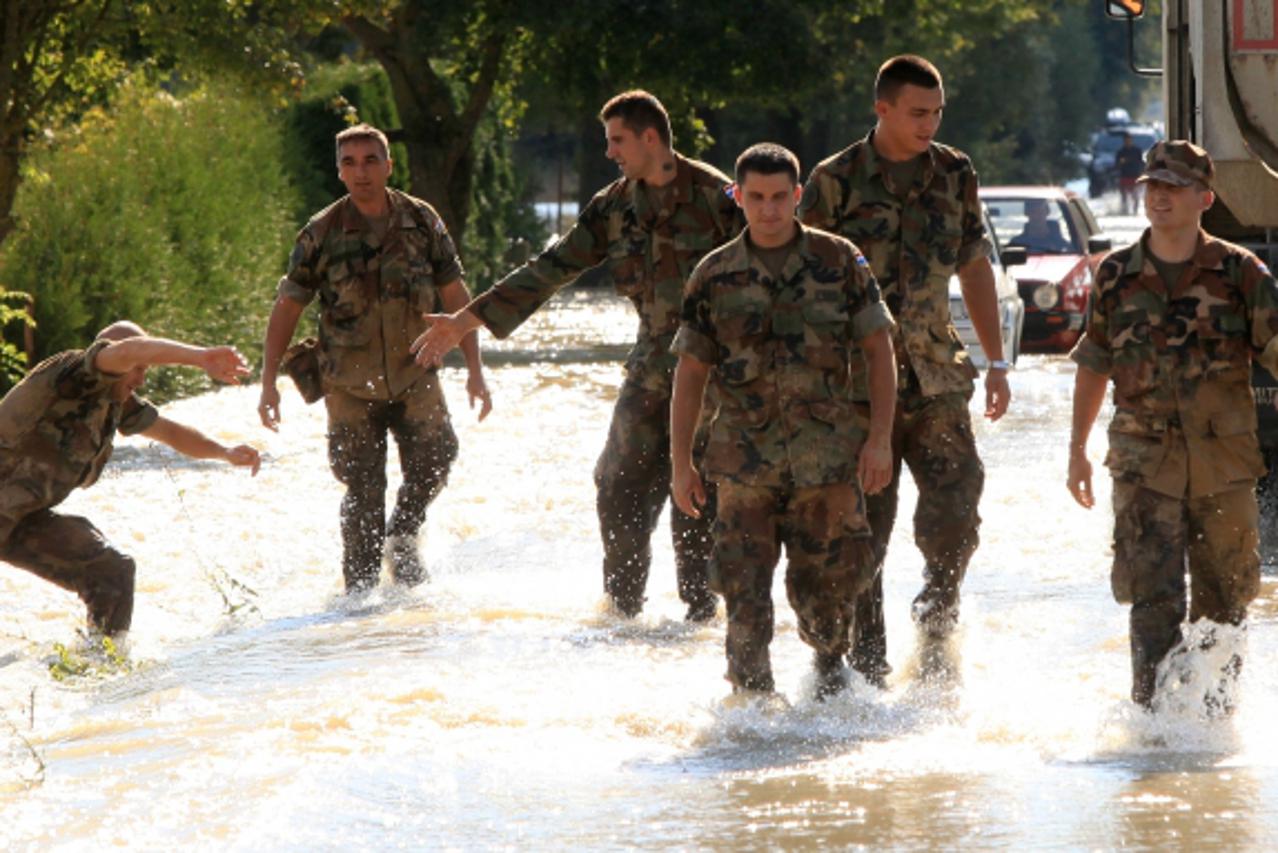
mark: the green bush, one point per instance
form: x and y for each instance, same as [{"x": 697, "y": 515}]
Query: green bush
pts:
[
  {"x": 13, "y": 359},
  {"x": 173, "y": 212}
]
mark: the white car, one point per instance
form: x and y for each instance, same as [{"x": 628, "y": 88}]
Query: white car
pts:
[{"x": 1011, "y": 310}]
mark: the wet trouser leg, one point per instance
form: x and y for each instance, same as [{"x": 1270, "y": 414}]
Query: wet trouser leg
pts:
[
  {"x": 747, "y": 546},
  {"x": 933, "y": 436},
  {"x": 829, "y": 563},
  {"x": 357, "y": 455},
  {"x": 633, "y": 481},
  {"x": 427, "y": 448},
  {"x": 940, "y": 451},
  {"x": 70, "y": 552},
  {"x": 1155, "y": 538}
]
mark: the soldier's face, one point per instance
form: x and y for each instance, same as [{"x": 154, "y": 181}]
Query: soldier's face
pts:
[
  {"x": 768, "y": 202},
  {"x": 911, "y": 121},
  {"x": 632, "y": 152},
  {"x": 364, "y": 169},
  {"x": 1174, "y": 208}
]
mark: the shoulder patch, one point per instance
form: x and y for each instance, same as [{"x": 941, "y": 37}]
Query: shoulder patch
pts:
[
  {"x": 727, "y": 190},
  {"x": 861, "y": 261},
  {"x": 1263, "y": 267}
]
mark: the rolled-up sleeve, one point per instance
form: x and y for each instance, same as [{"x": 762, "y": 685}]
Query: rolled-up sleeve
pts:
[{"x": 300, "y": 283}]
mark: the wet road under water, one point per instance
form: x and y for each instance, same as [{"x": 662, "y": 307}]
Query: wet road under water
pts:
[{"x": 500, "y": 705}]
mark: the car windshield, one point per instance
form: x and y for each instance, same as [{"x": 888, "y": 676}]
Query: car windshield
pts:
[{"x": 1040, "y": 225}]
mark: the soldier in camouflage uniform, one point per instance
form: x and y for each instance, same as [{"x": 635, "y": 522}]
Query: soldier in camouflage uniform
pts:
[
  {"x": 911, "y": 206},
  {"x": 1175, "y": 321},
  {"x": 650, "y": 227},
  {"x": 379, "y": 261},
  {"x": 56, "y": 432},
  {"x": 775, "y": 316}
]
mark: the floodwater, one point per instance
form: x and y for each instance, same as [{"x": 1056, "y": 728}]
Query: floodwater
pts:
[{"x": 501, "y": 705}]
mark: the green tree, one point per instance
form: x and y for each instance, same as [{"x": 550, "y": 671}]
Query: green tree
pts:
[{"x": 173, "y": 212}]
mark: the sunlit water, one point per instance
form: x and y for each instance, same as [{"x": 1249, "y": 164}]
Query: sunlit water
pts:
[{"x": 501, "y": 706}]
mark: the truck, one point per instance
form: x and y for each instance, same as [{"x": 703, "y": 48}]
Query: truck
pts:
[{"x": 1220, "y": 90}]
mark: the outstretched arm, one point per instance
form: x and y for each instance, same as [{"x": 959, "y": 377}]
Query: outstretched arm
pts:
[
  {"x": 191, "y": 442},
  {"x": 223, "y": 364},
  {"x": 455, "y": 298},
  {"x": 686, "y": 488},
  {"x": 976, "y": 278},
  {"x": 279, "y": 331}
]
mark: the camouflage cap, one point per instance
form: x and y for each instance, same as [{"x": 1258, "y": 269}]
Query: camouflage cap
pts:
[{"x": 1179, "y": 163}]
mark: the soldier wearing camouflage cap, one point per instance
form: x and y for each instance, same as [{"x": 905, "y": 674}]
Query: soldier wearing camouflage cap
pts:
[
  {"x": 1174, "y": 323},
  {"x": 911, "y": 205},
  {"x": 379, "y": 261},
  {"x": 649, "y": 227},
  {"x": 775, "y": 316},
  {"x": 57, "y": 428}
]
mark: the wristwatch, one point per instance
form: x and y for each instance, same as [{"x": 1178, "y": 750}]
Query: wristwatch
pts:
[{"x": 999, "y": 364}]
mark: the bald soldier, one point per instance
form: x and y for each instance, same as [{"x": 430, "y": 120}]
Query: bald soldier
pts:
[
  {"x": 56, "y": 432},
  {"x": 649, "y": 227},
  {"x": 1174, "y": 323}
]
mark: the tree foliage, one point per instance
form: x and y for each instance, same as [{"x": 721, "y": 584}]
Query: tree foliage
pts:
[{"x": 172, "y": 212}]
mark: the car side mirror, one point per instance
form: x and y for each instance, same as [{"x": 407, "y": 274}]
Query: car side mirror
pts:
[
  {"x": 1099, "y": 244},
  {"x": 1012, "y": 256}
]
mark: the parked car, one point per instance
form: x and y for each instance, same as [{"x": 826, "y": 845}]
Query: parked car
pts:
[
  {"x": 1011, "y": 310},
  {"x": 1065, "y": 246}
]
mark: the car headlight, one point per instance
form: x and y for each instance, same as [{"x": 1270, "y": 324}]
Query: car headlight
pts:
[{"x": 1046, "y": 296}]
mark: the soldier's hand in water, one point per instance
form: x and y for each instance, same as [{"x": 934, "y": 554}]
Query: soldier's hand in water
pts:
[
  {"x": 687, "y": 490},
  {"x": 244, "y": 456},
  {"x": 997, "y": 394},
  {"x": 874, "y": 465},
  {"x": 268, "y": 407},
  {"x": 224, "y": 364},
  {"x": 477, "y": 388},
  {"x": 1080, "y": 479},
  {"x": 445, "y": 333}
]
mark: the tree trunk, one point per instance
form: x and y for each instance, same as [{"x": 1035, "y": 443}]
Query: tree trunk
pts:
[{"x": 438, "y": 132}]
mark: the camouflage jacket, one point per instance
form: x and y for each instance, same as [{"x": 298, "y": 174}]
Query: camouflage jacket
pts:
[
  {"x": 372, "y": 292},
  {"x": 649, "y": 252},
  {"x": 1185, "y": 417},
  {"x": 782, "y": 351},
  {"x": 56, "y": 431},
  {"x": 914, "y": 246}
]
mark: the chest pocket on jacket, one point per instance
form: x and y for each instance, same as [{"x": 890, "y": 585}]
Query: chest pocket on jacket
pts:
[
  {"x": 347, "y": 296},
  {"x": 423, "y": 293}
]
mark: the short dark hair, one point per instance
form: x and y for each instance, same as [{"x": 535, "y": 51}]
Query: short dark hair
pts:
[
  {"x": 901, "y": 70},
  {"x": 638, "y": 110},
  {"x": 361, "y": 133},
  {"x": 767, "y": 158}
]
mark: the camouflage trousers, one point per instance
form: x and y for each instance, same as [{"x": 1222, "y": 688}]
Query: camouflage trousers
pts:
[
  {"x": 828, "y": 562},
  {"x": 357, "y": 432},
  {"x": 69, "y": 551},
  {"x": 933, "y": 436},
  {"x": 633, "y": 481},
  {"x": 1155, "y": 538}
]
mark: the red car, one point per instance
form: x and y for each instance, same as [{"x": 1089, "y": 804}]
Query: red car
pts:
[{"x": 1065, "y": 246}]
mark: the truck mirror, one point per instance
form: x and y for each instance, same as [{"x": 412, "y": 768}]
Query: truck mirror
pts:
[
  {"x": 1096, "y": 243},
  {"x": 1125, "y": 8}
]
